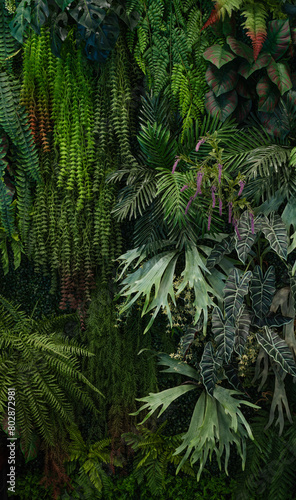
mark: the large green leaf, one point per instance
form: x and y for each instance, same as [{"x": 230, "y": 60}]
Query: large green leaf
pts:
[
  {"x": 278, "y": 350},
  {"x": 39, "y": 14},
  {"x": 90, "y": 13},
  {"x": 275, "y": 321},
  {"x": 224, "y": 331},
  {"x": 234, "y": 291},
  {"x": 246, "y": 69},
  {"x": 268, "y": 95},
  {"x": 240, "y": 49},
  {"x": 222, "y": 106},
  {"x": 208, "y": 368},
  {"x": 276, "y": 233},
  {"x": 280, "y": 75},
  {"x": 262, "y": 290},
  {"x": 177, "y": 366},
  {"x": 164, "y": 399},
  {"x": 278, "y": 38},
  {"x": 219, "y": 251},
  {"x": 218, "y": 55},
  {"x": 221, "y": 80},
  {"x": 64, "y": 3},
  {"x": 243, "y": 245},
  {"x": 21, "y": 19},
  {"x": 243, "y": 324}
]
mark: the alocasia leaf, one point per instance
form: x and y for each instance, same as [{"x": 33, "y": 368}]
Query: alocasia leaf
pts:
[
  {"x": 240, "y": 49},
  {"x": 223, "y": 105},
  {"x": 234, "y": 291},
  {"x": 268, "y": 95},
  {"x": 279, "y": 75},
  {"x": 218, "y": 55},
  {"x": 221, "y": 80},
  {"x": 278, "y": 38},
  {"x": 208, "y": 368},
  {"x": 246, "y": 69},
  {"x": 219, "y": 251},
  {"x": 89, "y": 13},
  {"x": 224, "y": 331},
  {"x": 262, "y": 290},
  {"x": 243, "y": 245},
  {"x": 243, "y": 324},
  {"x": 277, "y": 349},
  {"x": 276, "y": 233}
]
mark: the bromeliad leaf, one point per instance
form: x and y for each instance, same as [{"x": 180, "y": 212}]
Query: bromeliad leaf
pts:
[
  {"x": 224, "y": 331},
  {"x": 164, "y": 399},
  {"x": 177, "y": 366},
  {"x": 276, "y": 233},
  {"x": 279, "y": 74},
  {"x": 220, "y": 249},
  {"x": 243, "y": 246},
  {"x": 234, "y": 291},
  {"x": 262, "y": 290},
  {"x": 278, "y": 38},
  {"x": 208, "y": 368},
  {"x": 243, "y": 324},
  {"x": 221, "y": 80},
  {"x": 278, "y": 350},
  {"x": 222, "y": 106},
  {"x": 218, "y": 55}
]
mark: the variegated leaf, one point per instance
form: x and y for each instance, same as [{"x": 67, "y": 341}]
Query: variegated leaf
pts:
[
  {"x": 272, "y": 321},
  {"x": 218, "y": 55},
  {"x": 232, "y": 376},
  {"x": 242, "y": 330},
  {"x": 246, "y": 69},
  {"x": 278, "y": 38},
  {"x": 243, "y": 246},
  {"x": 276, "y": 233},
  {"x": 208, "y": 368},
  {"x": 222, "y": 106},
  {"x": 268, "y": 95},
  {"x": 234, "y": 291},
  {"x": 220, "y": 249},
  {"x": 278, "y": 350},
  {"x": 262, "y": 290},
  {"x": 224, "y": 332},
  {"x": 280, "y": 75},
  {"x": 221, "y": 80},
  {"x": 240, "y": 49}
]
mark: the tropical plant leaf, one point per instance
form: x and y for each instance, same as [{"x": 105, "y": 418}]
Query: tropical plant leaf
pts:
[
  {"x": 278, "y": 38},
  {"x": 64, "y": 3},
  {"x": 222, "y": 106},
  {"x": 221, "y": 80},
  {"x": 39, "y": 15},
  {"x": 163, "y": 398},
  {"x": 262, "y": 290},
  {"x": 232, "y": 376},
  {"x": 243, "y": 88},
  {"x": 279, "y": 75},
  {"x": 234, "y": 291},
  {"x": 268, "y": 95},
  {"x": 277, "y": 349},
  {"x": 208, "y": 368},
  {"x": 255, "y": 14},
  {"x": 219, "y": 251},
  {"x": 224, "y": 331},
  {"x": 177, "y": 366},
  {"x": 246, "y": 69},
  {"x": 276, "y": 233},
  {"x": 242, "y": 110},
  {"x": 243, "y": 324},
  {"x": 240, "y": 49},
  {"x": 243, "y": 245},
  {"x": 21, "y": 19},
  {"x": 90, "y": 13},
  {"x": 218, "y": 55},
  {"x": 275, "y": 321},
  {"x": 31, "y": 450}
]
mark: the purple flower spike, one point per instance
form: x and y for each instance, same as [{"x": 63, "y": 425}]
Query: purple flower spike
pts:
[
  {"x": 229, "y": 212},
  {"x": 220, "y": 172},
  {"x": 199, "y": 144},
  {"x": 183, "y": 188},
  {"x": 252, "y": 222},
  {"x": 220, "y": 206},
  {"x": 209, "y": 221},
  {"x": 241, "y": 187},
  {"x": 213, "y": 196},
  {"x": 188, "y": 205},
  {"x": 236, "y": 229},
  {"x": 199, "y": 181},
  {"x": 175, "y": 164}
]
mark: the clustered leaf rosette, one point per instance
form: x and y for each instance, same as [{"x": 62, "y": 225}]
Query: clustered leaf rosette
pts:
[{"x": 213, "y": 183}]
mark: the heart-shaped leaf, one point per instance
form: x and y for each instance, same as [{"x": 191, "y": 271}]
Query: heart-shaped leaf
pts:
[
  {"x": 280, "y": 76},
  {"x": 278, "y": 38},
  {"x": 243, "y": 324},
  {"x": 243, "y": 245},
  {"x": 220, "y": 249},
  {"x": 208, "y": 368},
  {"x": 240, "y": 49},
  {"x": 246, "y": 69},
  {"x": 268, "y": 95},
  {"x": 262, "y": 290},
  {"x": 221, "y": 80},
  {"x": 234, "y": 291},
  {"x": 218, "y": 55},
  {"x": 224, "y": 331},
  {"x": 222, "y": 106},
  {"x": 278, "y": 350},
  {"x": 276, "y": 233}
]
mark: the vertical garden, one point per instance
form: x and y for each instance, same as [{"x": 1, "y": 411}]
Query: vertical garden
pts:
[{"x": 148, "y": 249}]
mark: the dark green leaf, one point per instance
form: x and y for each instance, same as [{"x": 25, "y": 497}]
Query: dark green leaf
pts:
[
  {"x": 242, "y": 110},
  {"x": 243, "y": 324},
  {"x": 208, "y": 368},
  {"x": 276, "y": 233},
  {"x": 63, "y": 3},
  {"x": 246, "y": 69},
  {"x": 177, "y": 366},
  {"x": 224, "y": 332},
  {"x": 278, "y": 38},
  {"x": 275, "y": 321},
  {"x": 232, "y": 376},
  {"x": 234, "y": 291},
  {"x": 89, "y": 13},
  {"x": 31, "y": 450},
  {"x": 268, "y": 95},
  {"x": 21, "y": 19},
  {"x": 243, "y": 88},
  {"x": 40, "y": 14},
  {"x": 243, "y": 246},
  {"x": 277, "y": 349},
  {"x": 280, "y": 75},
  {"x": 262, "y": 290},
  {"x": 240, "y": 49},
  {"x": 218, "y": 55},
  {"x": 223, "y": 105},
  {"x": 221, "y": 80},
  {"x": 220, "y": 249},
  {"x": 59, "y": 32}
]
